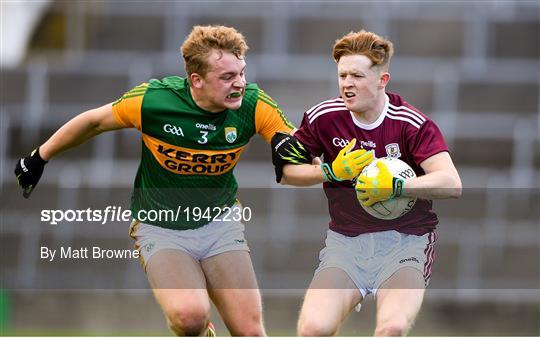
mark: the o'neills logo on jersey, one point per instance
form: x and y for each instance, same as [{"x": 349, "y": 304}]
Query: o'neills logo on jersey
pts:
[
  {"x": 209, "y": 126},
  {"x": 186, "y": 161},
  {"x": 369, "y": 144}
]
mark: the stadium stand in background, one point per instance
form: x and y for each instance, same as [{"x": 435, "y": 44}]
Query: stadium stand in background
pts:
[{"x": 472, "y": 67}]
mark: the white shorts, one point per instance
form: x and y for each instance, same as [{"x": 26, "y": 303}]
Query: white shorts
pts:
[
  {"x": 201, "y": 243},
  {"x": 370, "y": 259}
]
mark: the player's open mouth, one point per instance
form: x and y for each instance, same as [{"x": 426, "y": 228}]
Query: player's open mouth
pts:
[
  {"x": 234, "y": 95},
  {"x": 349, "y": 94}
]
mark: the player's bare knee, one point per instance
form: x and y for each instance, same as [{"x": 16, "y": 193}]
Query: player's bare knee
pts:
[
  {"x": 390, "y": 331},
  {"x": 250, "y": 325},
  {"x": 188, "y": 321},
  {"x": 394, "y": 328},
  {"x": 189, "y": 327},
  {"x": 313, "y": 328},
  {"x": 250, "y": 331}
]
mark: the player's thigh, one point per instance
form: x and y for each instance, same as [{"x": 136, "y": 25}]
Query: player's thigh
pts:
[
  {"x": 178, "y": 283},
  {"x": 400, "y": 297},
  {"x": 331, "y": 296},
  {"x": 233, "y": 287}
]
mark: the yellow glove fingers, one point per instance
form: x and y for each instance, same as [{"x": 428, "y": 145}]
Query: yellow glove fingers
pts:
[
  {"x": 342, "y": 167},
  {"x": 370, "y": 190},
  {"x": 361, "y": 194},
  {"x": 347, "y": 148},
  {"x": 383, "y": 169},
  {"x": 369, "y": 202},
  {"x": 357, "y": 153},
  {"x": 362, "y": 158},
  {"x": 355, "y": 166},
  {"x": 368, "y": 156},
  {"x": 362, "y": 181},
  {"x": 365, "y": 163},
  {"x": 351, "y": 145}
]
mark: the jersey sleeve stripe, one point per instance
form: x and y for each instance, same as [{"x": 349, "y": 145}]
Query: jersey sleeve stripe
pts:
[
  {"x": 268, "y": 102},
  {"x": 142, "y": 87},
  {"x": 127, "y": 109},
  {"x": 285, "y": 119},
  {"x": 400, "y": 118},
  {"x": 131, "y": 95},
  {"x": 400, "y": 108},
  {"x": 404, "y": 113},
  {"x": 322, "y": 112},
  {"x": 134, "y": 92},
  {"x": 269, "y": 120},
  {"x": 339, "y": 99},
  {"x": 263, "y": 93},
  {"x": 328, "y": 105}
]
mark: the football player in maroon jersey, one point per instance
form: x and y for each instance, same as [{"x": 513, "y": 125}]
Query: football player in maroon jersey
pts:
[{"x": 391, "y": 259}]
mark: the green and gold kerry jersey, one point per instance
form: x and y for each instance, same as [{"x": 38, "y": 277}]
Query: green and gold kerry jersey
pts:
[{"x": 188, "y": 154}]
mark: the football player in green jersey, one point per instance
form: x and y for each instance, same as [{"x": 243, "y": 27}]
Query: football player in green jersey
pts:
[{"x": 193, "y": 131}]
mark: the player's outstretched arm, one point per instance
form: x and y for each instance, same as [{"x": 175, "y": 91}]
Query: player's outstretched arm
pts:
[
  {"x": 84, "y": 126},
  {"x": 440, "y": 181},
  {"x": 79, "y": 129},
  {"x": 303, "y": 175}
]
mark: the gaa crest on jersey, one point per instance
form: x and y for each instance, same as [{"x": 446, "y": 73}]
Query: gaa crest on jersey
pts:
[
  {"x": 175, "y": 130},
  {"x": 230, "y": 134},
  {"x": 392, "y": 150}
]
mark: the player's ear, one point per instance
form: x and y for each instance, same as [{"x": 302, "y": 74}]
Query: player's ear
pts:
[
  {"x": 384, "y": 78},
  {"x": 195, "y": 80}
]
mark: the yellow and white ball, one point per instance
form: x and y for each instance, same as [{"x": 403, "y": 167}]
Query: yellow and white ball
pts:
[{"x": 397, "y": 206}]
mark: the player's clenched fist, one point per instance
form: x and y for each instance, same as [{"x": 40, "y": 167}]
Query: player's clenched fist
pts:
[
  {"x": 28, "y": 171},
  {"x": 379, "y": 188},
  {"x": 347, "y": 164}
]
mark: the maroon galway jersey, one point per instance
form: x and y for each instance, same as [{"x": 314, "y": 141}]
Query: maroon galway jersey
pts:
[{"x": 401, "y": 131}]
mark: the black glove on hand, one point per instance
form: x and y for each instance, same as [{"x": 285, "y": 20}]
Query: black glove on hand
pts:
[
  {"x": 287, "y": 149},
  {"x": 28, "y": 171}
]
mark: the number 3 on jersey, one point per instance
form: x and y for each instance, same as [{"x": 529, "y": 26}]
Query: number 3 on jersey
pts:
[{"x": 203, "y": 139}]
